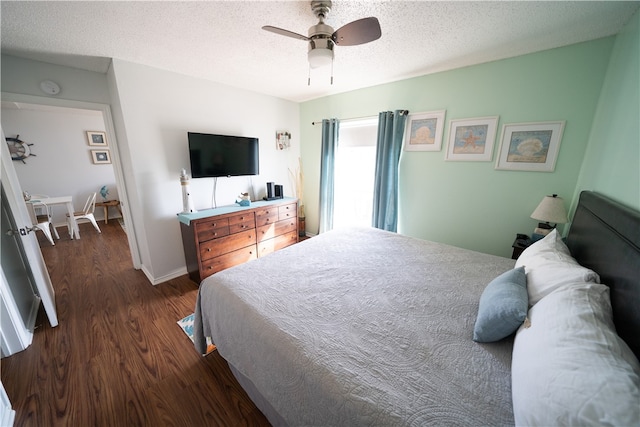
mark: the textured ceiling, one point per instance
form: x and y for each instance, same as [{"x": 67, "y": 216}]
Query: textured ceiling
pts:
[{"x": 223, "y": 41}]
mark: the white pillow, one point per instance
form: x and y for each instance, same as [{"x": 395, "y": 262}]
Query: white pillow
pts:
[
  {"x": 549, "y": 265},
  {"x": 570, "y": 367}
]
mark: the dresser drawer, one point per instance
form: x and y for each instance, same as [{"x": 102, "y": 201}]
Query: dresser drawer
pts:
[
  {"x": 266, "y": 216},
  {"x": 238, "y": 223},
  {"x": 287, "y": 211},
  {"x": 230, "y": 243},
  {"x": 208, "y": 230},
  {"x": 265, "y": 247},
  {"x": 270, "y": 231},
  {"x": 230, "y": 259}
]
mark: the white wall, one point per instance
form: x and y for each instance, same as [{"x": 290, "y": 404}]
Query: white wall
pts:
[
  {"x": 23, "y": 76},
  {"x": 612, "y": 160},
  {"x": 153, "y": 110},
  {"x": 62, "y": 164}
]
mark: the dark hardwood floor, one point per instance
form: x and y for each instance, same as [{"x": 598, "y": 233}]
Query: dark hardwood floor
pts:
[{"x": 118, "y": 358}]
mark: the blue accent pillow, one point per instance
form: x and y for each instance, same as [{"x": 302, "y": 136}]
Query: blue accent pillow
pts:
[{"x": 503, "y": 306}]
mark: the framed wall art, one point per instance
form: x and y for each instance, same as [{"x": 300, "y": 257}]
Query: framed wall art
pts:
[
  {"x": 472, "y": 139},
  {"x": 423, "y": 131},
  {"x": 530, "y": 146},
  {"x": 283, "y": 140},
  {"x": 97, "y": 138},
  {"x": 100, "y": 157}
]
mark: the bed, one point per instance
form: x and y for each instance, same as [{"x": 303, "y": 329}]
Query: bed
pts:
[{"x": 366, "y": 327}]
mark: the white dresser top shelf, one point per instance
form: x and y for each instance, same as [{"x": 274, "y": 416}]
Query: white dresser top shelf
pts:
[{"x": 186, "y": 218}]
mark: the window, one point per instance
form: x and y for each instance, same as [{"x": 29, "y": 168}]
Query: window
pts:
[{"x": 355, "y": 172}]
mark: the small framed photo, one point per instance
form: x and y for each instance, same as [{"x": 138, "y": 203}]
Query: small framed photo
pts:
[
  {"x": 283, "y": 140},
  {"x": 101, "y": 157},
  {"x": 530, "y": 146},
  {"x": 424, "y": 131},
  {"x": 472, "y": 139},
  {"x": 97, "y": 138}
]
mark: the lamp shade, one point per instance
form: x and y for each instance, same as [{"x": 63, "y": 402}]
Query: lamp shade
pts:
[
  {"x": 551, "y": 209},
  {"x": 319, "y": 57}
]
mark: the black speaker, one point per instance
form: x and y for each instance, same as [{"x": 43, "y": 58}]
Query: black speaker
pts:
[
  {"x": 270, "y": 190},
  {"x": 279, "y": 192}
]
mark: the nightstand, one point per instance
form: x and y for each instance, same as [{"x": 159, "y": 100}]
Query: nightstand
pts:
[
  {"x": 106, "y": 205},
  {"x": 521, "y": 243}
]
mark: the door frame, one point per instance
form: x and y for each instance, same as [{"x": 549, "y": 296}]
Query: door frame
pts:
[
  {"x": 105, "y": 109},
  {"x": 7, "y": 413}
]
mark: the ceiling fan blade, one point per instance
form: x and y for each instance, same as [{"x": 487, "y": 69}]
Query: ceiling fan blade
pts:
[
  {"x": 283, "y": 32},
  {"x": 362, "y": 31}
]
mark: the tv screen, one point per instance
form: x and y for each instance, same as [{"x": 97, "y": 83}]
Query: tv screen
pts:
[{"x": 222, "y": 155}]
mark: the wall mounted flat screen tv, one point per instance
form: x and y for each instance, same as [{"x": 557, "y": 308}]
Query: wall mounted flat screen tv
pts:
[{"x": 222, "y": 155}]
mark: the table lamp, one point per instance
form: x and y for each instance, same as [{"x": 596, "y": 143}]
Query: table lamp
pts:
[{"x": 550, "y": 210}]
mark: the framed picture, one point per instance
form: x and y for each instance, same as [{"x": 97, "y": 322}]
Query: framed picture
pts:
[
  {"x": 530, "y": 146},
  {"x": 424, "y": 131},
  {"x": 97, "y": 138},
  {"x": 472, "y": 139},
  {"x": 283, "y": 140},
  {"x": 101, "y": 157}
]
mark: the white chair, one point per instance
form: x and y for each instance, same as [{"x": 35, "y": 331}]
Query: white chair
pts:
[
  {"x": 39, "y": 197},
  {"x": 86, "y": 214},
  {"x": 42, "y": 221}
]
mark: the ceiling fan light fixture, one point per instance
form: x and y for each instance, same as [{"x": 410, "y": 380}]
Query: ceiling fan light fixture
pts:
[
  {"x": 320, "y": 57},
  {"x": 322, "y": 38}
]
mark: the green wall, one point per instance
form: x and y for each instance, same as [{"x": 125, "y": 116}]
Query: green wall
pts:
[
  {"x": 470, "y": 204},
  {"x": 612, "y": 161}
]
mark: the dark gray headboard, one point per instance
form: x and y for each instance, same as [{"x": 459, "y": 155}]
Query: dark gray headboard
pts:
[{"x": 605, "y": 237}]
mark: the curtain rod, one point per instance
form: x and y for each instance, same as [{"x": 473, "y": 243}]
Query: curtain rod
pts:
[{"x": 402, "y": 112}]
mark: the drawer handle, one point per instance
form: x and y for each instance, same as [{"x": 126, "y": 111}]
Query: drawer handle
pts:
[
  {"x": 210, "y": 268},
  {"x": 208, "y": 249}
]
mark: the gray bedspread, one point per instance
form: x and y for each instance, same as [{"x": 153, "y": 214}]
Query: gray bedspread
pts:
[{"x": 362, "y": 327}]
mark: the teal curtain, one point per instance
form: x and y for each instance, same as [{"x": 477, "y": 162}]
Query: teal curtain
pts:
[
  {"x": 330, "y": 130},
  {"x": 385, "y": 191}
]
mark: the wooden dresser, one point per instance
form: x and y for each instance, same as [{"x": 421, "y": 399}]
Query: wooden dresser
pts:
[{"x": 220, "y": 238}]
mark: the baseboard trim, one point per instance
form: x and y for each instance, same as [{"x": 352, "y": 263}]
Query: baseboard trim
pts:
[{"x": 157, "y": 280}]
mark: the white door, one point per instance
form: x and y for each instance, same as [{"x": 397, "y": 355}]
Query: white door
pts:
[
  {"x": 26, "y": 243},
  {"x": 20, "y": 299}
]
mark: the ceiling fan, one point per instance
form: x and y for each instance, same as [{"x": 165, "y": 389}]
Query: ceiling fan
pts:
[{"x": 322, "y": 38}]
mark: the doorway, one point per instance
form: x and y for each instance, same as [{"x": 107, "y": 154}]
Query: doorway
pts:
[
  {"x": 103, "y": 112},
  {"x": 61, "y": 163}
]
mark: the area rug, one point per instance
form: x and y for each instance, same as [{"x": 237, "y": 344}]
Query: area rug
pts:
[{"x": 186, "y": 325}]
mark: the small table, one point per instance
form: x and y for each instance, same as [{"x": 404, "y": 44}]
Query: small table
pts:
[
  {"x": 74, "y": 231},
  {"x": 521, "y": 243},
  {"x": 106, "y": 204}
]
